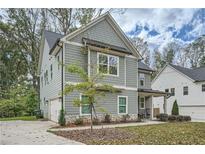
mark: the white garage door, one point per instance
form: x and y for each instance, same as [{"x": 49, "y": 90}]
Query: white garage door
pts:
[
  {"x": 55, "y": 107},
  {"x": 196, "y": 113}
]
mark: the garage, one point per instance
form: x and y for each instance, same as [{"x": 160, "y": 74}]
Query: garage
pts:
[
  {"x": 196, "y": 113},
  {"x": 55, "y": 107}
]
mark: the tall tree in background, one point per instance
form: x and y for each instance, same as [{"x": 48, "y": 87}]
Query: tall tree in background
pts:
[
  {"x": 66, "y": 20},
  {"x": 195, "y": 52},
  {"x": 143, "y": 48}
]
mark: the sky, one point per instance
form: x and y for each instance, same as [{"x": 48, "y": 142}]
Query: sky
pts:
[{"x": 160, "y": 26}]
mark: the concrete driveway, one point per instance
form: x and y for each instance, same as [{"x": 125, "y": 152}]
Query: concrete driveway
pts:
[{"x": 29, "y": 133}]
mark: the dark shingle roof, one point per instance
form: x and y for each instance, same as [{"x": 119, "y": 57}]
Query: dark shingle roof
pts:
[
  {"x": 143, "y": 66},
  {"x": 52, "y": 37},
  {"x": 196, "y": 74}
]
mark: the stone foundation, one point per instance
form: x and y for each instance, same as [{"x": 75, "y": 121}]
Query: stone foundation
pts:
[{"x": 101, "y": 118}]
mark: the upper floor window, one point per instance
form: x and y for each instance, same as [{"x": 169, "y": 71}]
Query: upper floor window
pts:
[
  {"x": 108, "y": 64},
  {"x": 142, "y": 79},
  {"x": 203, "y": 87},
  {"x": 41, "y": 81},
  {"x": 58, "y": 58},
  {"x": 51, "y": 70},
  {"x": 166, "y": 90},
  {"x": 185, "y": 90},
  {"x": 46, "y": 77},
  {"x": 172, "y": 91}
]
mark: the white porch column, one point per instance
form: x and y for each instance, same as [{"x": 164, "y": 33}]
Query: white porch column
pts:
[
  {"x": 165, "y": 104},
  {"x": 152, "y": 116}
]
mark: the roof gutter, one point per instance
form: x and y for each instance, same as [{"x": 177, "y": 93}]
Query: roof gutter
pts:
[{"x": 56, "y": 47}]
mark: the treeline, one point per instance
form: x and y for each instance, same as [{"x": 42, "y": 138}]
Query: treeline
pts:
[
  {"x": 190, "y": 55},
  {"x": 20, "y": 35}
]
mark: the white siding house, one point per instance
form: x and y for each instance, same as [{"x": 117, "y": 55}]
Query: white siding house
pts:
[{"x": 187, "y": 86}]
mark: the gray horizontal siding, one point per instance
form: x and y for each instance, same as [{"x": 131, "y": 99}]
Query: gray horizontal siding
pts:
[
  {"x": 101, "y": 32},
  {"x": 74, "y": 55},
  {"x": 51, "y": 90},
  {"x": 109, "y": 103},
  {"x": 131, "y": 72}
]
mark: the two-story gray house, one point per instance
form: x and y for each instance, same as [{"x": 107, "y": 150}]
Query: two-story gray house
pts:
[{"x": 101, "y": 43}]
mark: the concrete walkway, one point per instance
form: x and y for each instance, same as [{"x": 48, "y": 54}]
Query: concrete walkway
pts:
[
  {"x": 30, "y": 133},
  {"x": 109, "y": 126}
]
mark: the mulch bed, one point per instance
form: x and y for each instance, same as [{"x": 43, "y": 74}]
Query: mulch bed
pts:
[{"x": 86, "y": 136}]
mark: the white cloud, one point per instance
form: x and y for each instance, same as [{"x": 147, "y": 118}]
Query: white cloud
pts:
[{"x": 160, "y": 20}]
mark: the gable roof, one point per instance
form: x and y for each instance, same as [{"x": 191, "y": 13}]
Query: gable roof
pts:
[
  {"x": 51, "y": 37},
  {"x": 143, "y": 66},
  {"x": 196, "y": 74},
  {"x": 114, "y": 25}
]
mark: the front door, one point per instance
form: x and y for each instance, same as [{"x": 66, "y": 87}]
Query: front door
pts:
[{"x": 156, "y": 111}]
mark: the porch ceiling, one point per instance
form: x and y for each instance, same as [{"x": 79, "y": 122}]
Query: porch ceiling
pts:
[{"x": 151, "y": 92}]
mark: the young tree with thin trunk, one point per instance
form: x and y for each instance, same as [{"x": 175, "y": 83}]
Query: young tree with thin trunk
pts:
[{"x": 89, "y": 87}]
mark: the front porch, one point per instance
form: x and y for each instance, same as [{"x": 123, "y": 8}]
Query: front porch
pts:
[{"x": 145, "y": 105}]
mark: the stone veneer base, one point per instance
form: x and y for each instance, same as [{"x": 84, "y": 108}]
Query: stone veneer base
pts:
[{"x": 101, "y": 117}]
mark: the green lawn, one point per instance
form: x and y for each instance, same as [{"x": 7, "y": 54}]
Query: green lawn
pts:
[
  {"x": 163, "y": 134},
  {"x": 25, "y": 118}
]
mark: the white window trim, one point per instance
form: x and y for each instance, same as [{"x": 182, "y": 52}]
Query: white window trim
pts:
[
  {"x": 82, "y": 114},
  {"x": 108, "y": 64},
  {"x": 187, "y": 91},
  {"x": 141, "y": 102},
  {"x": 118, "y": 105},
  {"x": 202, "y": 88},
  {"x": 142, "y": 79}
]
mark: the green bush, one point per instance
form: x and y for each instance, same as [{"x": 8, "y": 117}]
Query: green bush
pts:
[
  {"x": 62, "y": 120},
  {"x": 187, "y": 118},
  {"x": 180, "y": 118},
  {"x": 175, "y": 108},
  {"x": 107, "y": 118},
  {"x": 163, "y": 117},
  {"x": 31, "y": 102},
  {"x": 78, "y": 121},
  {"x": 172, "y": 118}
]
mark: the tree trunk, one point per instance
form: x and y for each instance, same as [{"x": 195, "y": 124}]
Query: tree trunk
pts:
[{"x": 91, "y": 117}]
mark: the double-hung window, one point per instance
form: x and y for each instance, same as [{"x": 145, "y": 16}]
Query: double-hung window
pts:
[
  {"x": 185, "y": 90},
  {"x": 122, "y": 104},
  {"x": 203, "y": 87},
  {"x": 108, "y": 64},
  {"x": 142, "y": 79},
  {"x": 85, "y": 106},
  {"x": 172, "y": 91},
  {"x": 51, "y": 70},
  {"x": 142, "y": 103}
]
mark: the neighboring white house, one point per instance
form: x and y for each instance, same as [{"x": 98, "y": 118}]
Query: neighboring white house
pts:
[{"x": 185, "y": 85}]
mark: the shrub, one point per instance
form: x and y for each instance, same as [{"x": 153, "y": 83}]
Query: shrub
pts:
[
  {"x": 180, "y": 118},
  {"x": 96, "y": 121},
  {"x": 163, "y": 117},
  {"x": 78, "y": 121},
  {"x": 175, "y": 108},
  {"x": 158, "y": 116},
  {"x": 172, "y": 118},
  {"x": 61, "y": 120},
  {"x": 125, "y": 118},
  {"x": 187, "y": 118},
  {"x": 107, "y": 118}
]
